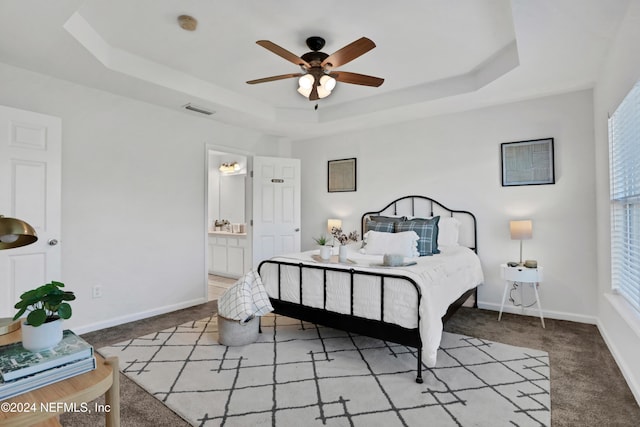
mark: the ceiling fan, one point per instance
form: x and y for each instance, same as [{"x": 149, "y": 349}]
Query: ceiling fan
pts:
[{"x": 318, "y": 77}]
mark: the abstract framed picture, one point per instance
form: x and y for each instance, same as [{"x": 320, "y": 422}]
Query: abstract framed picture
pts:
[
  {"x": 527, "y": 162},
  {"x": 341, "y": 175}
]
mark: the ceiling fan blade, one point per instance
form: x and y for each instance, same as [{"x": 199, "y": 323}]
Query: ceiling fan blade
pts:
[
  {"x": 349, "y": 53},
  {"x": 356, "y": 79},
  {"x": 274, "y": 78},
  {"x": 284, "y": 53}
]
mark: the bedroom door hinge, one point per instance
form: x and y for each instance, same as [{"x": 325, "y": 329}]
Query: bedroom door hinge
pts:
[
  {"x": 251, "y": 174},
  {"x": 251, "y": 223}
]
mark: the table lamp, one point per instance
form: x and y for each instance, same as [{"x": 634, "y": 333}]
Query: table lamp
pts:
[
  {"x": 13, "y": 234},
  {"x": 331, "y": 224},
  {"x": 521, "y": 230}
]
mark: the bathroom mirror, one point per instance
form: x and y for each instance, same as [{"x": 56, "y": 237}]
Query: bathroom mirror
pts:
[
  {"x": 227, "y": 182},
  {"x": 232, "y": 197}
]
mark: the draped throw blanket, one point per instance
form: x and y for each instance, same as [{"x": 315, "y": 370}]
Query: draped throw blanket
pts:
[{"x": 246, "y": 299}]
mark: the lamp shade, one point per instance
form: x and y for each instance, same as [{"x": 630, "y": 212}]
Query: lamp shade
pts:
[
  {"x": 521, "y": 230},
  {"x": 333, "y": 223},
  {"x": 328, "y": 83},
  {"x": 306, "y": 81},
  {"x": 15, "y": 233}
]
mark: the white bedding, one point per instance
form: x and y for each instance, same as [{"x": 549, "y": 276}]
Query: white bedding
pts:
[{"x": 442, "y": 279}]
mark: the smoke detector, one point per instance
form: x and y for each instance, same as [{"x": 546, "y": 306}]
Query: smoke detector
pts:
[{"x": 188, "y": 23}]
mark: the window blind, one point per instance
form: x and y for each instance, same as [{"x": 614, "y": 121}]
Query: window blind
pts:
[{"x": 624, "y": 167}]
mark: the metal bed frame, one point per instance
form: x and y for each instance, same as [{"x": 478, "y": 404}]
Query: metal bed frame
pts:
[{"x": 371, "y": 327}]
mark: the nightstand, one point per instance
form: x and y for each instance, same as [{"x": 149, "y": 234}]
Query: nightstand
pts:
[{"x": 521, "y": 274}]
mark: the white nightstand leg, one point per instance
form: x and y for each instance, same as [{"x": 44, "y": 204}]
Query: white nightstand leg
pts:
[
  {"x": 535, "y": 289},
  {"x": 521, "y": 297},
  {"x": 504, "y": 297}
]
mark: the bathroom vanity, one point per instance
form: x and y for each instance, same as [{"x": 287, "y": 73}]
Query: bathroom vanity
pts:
[{"x": 228, "y": 253}]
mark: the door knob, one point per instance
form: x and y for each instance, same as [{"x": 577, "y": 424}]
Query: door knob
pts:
[
  {"x": 52, "y": 242},
  {"x": 296, "y": 230}
]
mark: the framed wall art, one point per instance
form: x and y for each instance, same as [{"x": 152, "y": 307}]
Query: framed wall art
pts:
[
  {"x": 341, "y": 175},
  {"x": 527, "y": 162}
]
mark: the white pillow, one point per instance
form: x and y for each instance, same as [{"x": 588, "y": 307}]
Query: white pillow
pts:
[
  {"x": 404, "y": 243},
  {"x": 448, "y": 231}
]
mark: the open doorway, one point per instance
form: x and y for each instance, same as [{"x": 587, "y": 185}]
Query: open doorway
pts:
[{"x": 228, "y": 234}]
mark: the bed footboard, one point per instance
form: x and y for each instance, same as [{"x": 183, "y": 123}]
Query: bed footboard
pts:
[{"x": 375, "y": 328}]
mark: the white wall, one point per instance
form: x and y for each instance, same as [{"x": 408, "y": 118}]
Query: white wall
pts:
[
  {"x": 456, "y": 160},
  {"x": 619, "y": 324},
  {"x": 133, "y": 196}
]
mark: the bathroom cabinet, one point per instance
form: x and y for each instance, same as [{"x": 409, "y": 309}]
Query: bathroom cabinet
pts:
[{"x": 228, "y": 254}]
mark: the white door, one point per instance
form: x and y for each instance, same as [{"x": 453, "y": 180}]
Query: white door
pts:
[
  {"x": 30, "y": 190},
  {"x": 276, "y": 207}
]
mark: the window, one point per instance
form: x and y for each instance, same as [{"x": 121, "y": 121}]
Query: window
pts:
[{"x": 624, "y": 167}]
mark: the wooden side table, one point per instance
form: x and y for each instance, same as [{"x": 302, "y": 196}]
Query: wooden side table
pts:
[
  {"x": 46, "y": 403},
  {"x": 521, "y": 274}
]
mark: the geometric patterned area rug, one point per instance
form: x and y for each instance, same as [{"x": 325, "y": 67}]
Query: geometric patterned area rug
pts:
[{"x": 302, "y": 374}]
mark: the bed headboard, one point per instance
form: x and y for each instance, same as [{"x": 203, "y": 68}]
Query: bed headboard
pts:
[{"x": 422, "y": 206}]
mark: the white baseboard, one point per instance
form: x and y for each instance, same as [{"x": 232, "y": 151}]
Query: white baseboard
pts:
[
  {"x": 631, "y": 381},
  {"x": 137, "y": 316},
  {"x": 631, "y": 317},
  {"x": 533, "y": 311}
]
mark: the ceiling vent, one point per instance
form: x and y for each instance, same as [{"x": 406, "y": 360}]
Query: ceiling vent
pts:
[{"x": 197, "y": 109}]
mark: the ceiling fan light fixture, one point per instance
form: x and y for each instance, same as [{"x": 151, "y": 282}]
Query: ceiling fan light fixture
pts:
[
  {"x": 325, "y": 86},
  {"x": 322, "y": 92},
  {"x": 304, "y": 92},
  {"x": 306, "y": 82},
  {"x": 328, "y": 83}
]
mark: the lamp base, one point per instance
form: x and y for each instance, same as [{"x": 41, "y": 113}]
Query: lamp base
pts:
[{"x": 8, "y": 325}]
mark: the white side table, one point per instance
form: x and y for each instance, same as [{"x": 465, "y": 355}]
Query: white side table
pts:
[{"x": 521, "y": 274}]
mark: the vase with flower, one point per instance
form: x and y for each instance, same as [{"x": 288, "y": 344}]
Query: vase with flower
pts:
[{"x": 343, "y": 239}]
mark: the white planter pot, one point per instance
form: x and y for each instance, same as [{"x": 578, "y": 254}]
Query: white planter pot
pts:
[
  {"x": 325, "y": 252},
  {"x": 47, "y": 335}
]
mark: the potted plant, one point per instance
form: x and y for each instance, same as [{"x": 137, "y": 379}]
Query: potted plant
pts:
[
  {"x": 47, "y": 306},
  {"x": 325, "y": 251}
]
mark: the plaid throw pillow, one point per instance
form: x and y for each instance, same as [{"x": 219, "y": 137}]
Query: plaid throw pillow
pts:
[
  {"x": 427, "y": 230},
  {"x": 384, "y": 227}
]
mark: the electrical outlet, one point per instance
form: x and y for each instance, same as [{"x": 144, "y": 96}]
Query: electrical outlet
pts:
[{"x": 96, "y": 291}]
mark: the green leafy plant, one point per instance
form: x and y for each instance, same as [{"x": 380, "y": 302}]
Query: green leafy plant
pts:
[
  {"x": 45, "y": 304},
  {"x": 322, "y": 240}
]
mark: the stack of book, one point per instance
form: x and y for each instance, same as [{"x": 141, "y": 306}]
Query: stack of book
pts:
[{"x": 23, "y": 370}]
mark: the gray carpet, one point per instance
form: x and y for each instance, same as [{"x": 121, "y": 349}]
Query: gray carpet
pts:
[
  {"x": 298, "y": 373},
  {"x": 587, "y": 387}
]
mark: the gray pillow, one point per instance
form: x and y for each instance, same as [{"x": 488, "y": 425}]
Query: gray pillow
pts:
[{"x": 392, "y": 219}]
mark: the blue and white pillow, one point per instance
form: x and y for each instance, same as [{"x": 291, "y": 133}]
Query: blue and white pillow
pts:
[
  {"x": 381, "y": 226},
  {"x": 384, "y": 224},
  {"x": 427, "y": 230}
]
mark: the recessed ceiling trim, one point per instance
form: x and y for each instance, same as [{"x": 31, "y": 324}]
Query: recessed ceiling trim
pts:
[
  {"x": 127, "y": 63},
  {"x": 496, "y": 66}
]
